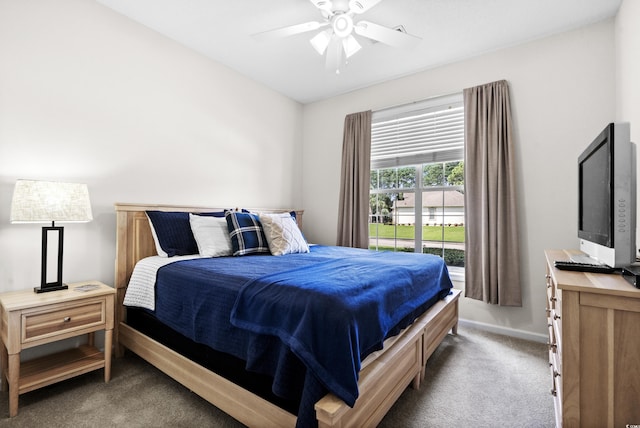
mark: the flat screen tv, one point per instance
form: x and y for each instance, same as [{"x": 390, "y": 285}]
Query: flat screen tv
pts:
[{"x": 607, "y": 197}]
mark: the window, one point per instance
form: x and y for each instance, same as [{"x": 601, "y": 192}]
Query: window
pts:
[{"x": 417, "y": 179}]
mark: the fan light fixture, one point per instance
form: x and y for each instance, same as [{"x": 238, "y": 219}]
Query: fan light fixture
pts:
[
  {"x": 338, "y": 42},
  {"x": 342, "y": 25},
  {"x": 320, "y": 41},
  {"x": 350, "y": 46}
]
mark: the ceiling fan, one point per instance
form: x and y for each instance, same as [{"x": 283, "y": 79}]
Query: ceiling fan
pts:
[{"x": 337, "y": 39}]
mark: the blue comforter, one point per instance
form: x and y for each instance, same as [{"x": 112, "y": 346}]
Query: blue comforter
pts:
[
  {"x": 307, "y": 320},
  {"x": 333, "y": 313}
]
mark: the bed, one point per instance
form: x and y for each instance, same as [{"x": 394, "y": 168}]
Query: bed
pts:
[{"x": 380, "y": 379}]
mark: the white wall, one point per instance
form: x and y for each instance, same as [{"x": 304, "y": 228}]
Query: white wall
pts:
[
  {"x": 562, "y": 93},
  {"x": 628, "y": 66},
  {"x": 627, "y": 72},
  {"x": 86, "y": 95}
]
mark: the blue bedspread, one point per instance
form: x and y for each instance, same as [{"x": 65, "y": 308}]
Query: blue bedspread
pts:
[
  {"x": 327, "y": 309},
  {"x": 333, "y": 313}
]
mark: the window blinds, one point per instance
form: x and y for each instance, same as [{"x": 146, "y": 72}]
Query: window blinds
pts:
[{"x": 423, "y": 132}]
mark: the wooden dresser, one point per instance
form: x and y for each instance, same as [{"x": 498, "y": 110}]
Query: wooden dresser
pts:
[{"x": 594, "y": 346}]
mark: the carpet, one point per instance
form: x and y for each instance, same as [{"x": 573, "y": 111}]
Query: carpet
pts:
[{"x": 474, "y": 379}]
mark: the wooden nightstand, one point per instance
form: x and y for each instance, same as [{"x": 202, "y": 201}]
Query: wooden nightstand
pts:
[{"x": 29, "y": 319}]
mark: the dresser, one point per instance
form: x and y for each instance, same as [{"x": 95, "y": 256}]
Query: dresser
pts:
[{"x": 594, "y": 346}]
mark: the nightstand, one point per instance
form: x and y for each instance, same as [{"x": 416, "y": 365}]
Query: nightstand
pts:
[{"x": 29, "y": 319}]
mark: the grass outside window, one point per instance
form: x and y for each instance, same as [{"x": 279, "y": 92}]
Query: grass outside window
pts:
[{"x": 429, "y": 233}]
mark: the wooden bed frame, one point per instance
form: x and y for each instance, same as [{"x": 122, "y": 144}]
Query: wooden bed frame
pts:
[{"x": 384, "y": 377}]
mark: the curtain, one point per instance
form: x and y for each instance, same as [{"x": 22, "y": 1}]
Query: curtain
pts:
[
  {"x": 353, "y": 208},
  {"x": 492, "y": 265}
]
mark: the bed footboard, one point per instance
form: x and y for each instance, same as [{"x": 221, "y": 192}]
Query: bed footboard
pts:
[{"x": 382, "y": 382}]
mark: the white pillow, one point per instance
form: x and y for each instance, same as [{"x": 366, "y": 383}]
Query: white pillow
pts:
[
  {"x": 283, "y": 234},
  {"x": 212, "y": 235}
]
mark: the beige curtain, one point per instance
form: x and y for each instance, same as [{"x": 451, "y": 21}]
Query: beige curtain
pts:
[
  {"x": 492, "y": 266},
  {"x": 353, "y": 209}
]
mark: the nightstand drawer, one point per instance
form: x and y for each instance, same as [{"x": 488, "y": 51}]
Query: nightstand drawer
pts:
[{"x": 57, "y": 320}]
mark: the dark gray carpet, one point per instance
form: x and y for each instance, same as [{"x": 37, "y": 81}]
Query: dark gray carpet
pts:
[
  {"x": 473, "y": 379},
  {"x": 479, "y": 379}
]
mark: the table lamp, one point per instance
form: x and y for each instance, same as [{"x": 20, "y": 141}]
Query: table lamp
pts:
[{"x": 50, "y": 202}]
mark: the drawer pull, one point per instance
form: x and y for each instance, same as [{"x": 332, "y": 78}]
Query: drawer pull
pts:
[
  {"x": 556, "y": 317},
  {"x": 553, "y": 392},
  {"x": 553, "y": 299},
  {"x": 66, "y": 319},
  {"x": 555, "y": 373},
  {"x": 552, "y": 346}
]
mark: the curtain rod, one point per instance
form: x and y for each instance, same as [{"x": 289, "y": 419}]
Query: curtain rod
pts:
[{"x": 382, "y": 110}]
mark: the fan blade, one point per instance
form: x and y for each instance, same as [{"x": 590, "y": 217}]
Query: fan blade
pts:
[
  {"x": 361, "y": 6},
  {"x": 289, "y": 31},
  {"x": 325, "y": 5},
  {"x": 386, "y": 35},
  {"x": 334, "y": 55}
]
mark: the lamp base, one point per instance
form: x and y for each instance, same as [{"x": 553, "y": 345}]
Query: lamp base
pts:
[{"x": 50, "y": 288}]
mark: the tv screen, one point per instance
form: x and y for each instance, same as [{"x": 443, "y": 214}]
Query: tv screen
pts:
[
  {"x": 607, "y": 198},
  {"x": 595, "y": 195}
]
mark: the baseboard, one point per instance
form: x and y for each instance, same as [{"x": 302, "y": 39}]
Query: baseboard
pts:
[{"x": 506, "y": 331}]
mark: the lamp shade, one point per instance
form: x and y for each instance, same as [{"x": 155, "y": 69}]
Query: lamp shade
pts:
[{"x": 49, "y": 201}]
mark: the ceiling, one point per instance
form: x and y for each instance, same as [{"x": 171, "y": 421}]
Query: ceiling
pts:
[{"x": 450, "y": 30}]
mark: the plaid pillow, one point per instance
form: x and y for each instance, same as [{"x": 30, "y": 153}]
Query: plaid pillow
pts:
[{"x": 247, "y": 236}]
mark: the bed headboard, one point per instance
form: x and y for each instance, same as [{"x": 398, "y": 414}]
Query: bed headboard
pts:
[{"x": 135, "y": 242}]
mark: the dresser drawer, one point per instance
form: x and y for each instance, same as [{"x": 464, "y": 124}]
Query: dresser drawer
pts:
[{"x": 58, "y": 320}]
